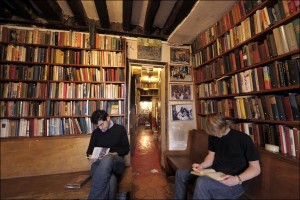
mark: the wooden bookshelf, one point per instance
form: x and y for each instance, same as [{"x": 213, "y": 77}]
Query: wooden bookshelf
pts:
[
  {"x": 51, "y": 81},
  {"x": 240, "y": 73}
]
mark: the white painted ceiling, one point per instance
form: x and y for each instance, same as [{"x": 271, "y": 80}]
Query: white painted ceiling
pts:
[{"x": 204, "y": 14}]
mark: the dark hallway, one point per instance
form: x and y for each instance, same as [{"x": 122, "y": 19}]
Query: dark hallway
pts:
[{"x": 149, "y": 180}]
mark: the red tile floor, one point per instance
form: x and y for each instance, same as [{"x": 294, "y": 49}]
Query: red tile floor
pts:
[{"x": 149, "y": 180}]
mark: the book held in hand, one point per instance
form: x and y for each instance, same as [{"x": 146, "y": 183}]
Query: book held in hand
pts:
[
  {"x": 219, "y": 176},
  {"x": 99, "y": 153},
  {"x": 78, "y": 181}
]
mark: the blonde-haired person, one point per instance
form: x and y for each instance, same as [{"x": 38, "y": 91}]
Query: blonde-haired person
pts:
[{"x": 229, "y": 151}]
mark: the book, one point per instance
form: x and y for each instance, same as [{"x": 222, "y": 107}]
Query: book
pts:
[
  {"x": 78, "y": 181},
  {"x": 219, "y": 176},
  {"x": 99, "y": 153}
]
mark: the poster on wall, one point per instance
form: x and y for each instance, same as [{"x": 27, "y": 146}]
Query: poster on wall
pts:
[
  {"x": 179, "y": 55},
  {"x": 180, "y": 73},
  {"x": 182, "y": 112},
  {"x": 148, "y": 49},
  {"x": 181, "y": 92}
]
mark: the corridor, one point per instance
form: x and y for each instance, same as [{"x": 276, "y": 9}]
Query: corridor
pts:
[{"x": 149, "y": 180}]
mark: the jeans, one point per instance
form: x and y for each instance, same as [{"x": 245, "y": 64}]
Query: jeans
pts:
[
  {"x": 105, "y": 174},
  {"x": 205, "y": 187}
]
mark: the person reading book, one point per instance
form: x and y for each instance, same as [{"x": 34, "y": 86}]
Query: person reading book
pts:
[
  {"x": 106, "y": 170},
  {"x": 231, "y": 153}
]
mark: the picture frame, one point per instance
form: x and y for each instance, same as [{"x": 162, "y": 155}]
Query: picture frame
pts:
[
  {"x": 150, "y": 49},
  {"x": 182, "y": 112},
  {"x": 180, "y": 55},
  {"x": 180, "y": 73},
  {"x": 181, "y": 92}
]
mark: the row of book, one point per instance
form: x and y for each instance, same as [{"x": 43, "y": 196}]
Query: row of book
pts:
[
  {"x": 23, "y": 53},
  {"x": 275, "y": 75},
  {"x": 58, "y": 108},
  {"x": 283, "y": 39},
  {"x": 80, "y": 57},
  {"x": 148, "y": 92},
  {"x": 70, "y": 38},
  {"x": 83, "y": 57},
  {"x": 265, "y": 107},
  {"x": 148, "y": 85},
  {"x": 60, "y": 73},
  {"x": 284, "y": 137},
  {"x": 53, "y": 126},
  {"x": 61, "y": 90},
  {"x": 239, "y": 10},
  {"x": 257, "y": 22},
  {"x": 77, "y": 108}
]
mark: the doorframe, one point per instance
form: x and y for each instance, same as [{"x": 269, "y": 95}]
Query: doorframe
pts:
[{"x": 163, "y": 65}]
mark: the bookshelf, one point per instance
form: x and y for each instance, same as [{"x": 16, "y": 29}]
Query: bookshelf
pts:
[
  {"x": 52, "y": 80},
  {"x": 246, "y": 66},
  {"x": 148, "y": 85}
]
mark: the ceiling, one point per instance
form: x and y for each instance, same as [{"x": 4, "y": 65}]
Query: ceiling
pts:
[{"x": 175, "y": 21}]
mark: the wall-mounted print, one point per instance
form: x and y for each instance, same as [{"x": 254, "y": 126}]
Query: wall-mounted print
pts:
[
  {"x": 182, "y": 112},
  {"x": 180, "y": 73},
  {"x": 181, "y": 92},
  {"x": 180, "y": 55},
  {"x": 148, "y": 49}
]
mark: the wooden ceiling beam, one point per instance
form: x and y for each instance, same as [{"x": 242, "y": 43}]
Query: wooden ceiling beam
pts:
[
  {"x": 102, "y": 13},
  {"x": 152, "y": 8},
  {"x": 49, "y": 9},
  {"x": 180, "y": 11},
  {"x": 127, "y": 12},
  {"x": 19, "y": 8},
  {"x": 78, "y": 11},
  {"x": 4, "y": 11}
]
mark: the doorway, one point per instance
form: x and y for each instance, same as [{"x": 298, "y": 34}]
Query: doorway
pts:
[{"x": 146, "y": 98}]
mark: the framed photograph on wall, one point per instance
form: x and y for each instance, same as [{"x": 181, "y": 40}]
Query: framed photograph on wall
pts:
[
  {"x": 179, "y": 55},
  {"x": 182, "y": 112},
  {"x": 180, "y": 73},
  {"x": 181, "y": 92}
]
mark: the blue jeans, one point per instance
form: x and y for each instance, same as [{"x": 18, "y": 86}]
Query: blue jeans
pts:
[
  {"x": 105, "y": 174},
  {"x": 205, "y": 187}
]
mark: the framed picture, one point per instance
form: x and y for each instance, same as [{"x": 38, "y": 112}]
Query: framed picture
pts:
[
  {"x": 180, "y": 73},
  {"x": 181, "y": 92},
  {"x": 182, "y": 112},
  {"x": 149, "y": 49},
  {"x": 180, "y": 55}
]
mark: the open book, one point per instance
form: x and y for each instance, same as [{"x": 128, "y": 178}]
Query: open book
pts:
[
  {"x": 219, "y": 176},
  {"x": 99, "y": 153}
]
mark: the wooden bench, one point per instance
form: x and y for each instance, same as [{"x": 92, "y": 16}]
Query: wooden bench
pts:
[
  {"x": 197, "y": 149},
  {"x": 52, "y": 186},
  {"x": 39, "y": 168}
]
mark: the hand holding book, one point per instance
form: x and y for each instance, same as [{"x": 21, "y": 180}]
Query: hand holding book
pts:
[
  {"x": 219, "y": 176},
  {"x": 98, "y": 154}
]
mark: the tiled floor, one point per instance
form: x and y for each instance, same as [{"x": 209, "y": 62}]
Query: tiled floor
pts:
[{"x": 149, "y": 180}]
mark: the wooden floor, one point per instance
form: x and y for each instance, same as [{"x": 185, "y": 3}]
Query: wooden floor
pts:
[{"x": 149, "y": 180}]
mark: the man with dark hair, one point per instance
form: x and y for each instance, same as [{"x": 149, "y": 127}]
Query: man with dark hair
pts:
[{"x": 105, "y": 172}]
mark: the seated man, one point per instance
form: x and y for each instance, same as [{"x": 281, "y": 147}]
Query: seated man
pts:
[
  {"x": 105, "y": 171},
  {"x": 230, "y": 152}
]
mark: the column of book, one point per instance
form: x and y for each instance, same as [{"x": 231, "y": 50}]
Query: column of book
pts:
[
  {"x": 247, "y": 67},
  {"x": 52, "y": 80}
]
